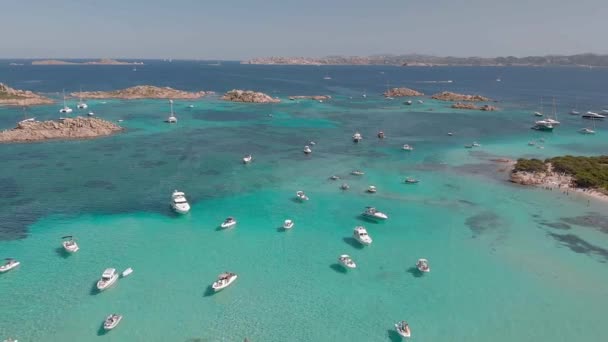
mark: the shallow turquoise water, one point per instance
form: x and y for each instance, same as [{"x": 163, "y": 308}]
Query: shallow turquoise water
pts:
[{"x": 507, "y": 262}]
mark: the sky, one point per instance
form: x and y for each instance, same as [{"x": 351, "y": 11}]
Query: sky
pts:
[{"x": 242, "y": 29}]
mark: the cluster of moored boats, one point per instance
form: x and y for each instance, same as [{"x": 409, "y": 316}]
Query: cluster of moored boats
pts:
[{"x": 548, "y": 124}]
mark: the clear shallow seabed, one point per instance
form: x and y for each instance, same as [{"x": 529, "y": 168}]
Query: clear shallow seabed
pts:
[{"x": 507, "y": 262}]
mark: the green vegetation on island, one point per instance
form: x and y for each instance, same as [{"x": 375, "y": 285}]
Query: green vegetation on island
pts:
[
  {"x": 583, "y": 172},
  {"x": 529, "y": 165}
]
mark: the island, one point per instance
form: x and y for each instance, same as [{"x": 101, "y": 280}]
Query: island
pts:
[
  {"x": 401, "y": 92},
  {"x": 142, "y": 92},
  {"x": 66, "y": 129},
  {"x": 311, "y": 97},
  {"x": 471, "y": 106},
  {"x": 16, "y": 97},
  {"x": 250, "y": 96},
  {"x": 566, "y": 173},
  {"x": 103, "y": 61},
  {"x": 450, "y": 96}
]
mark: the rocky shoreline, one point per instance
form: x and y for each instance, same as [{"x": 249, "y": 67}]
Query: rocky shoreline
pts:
[
  {"x": 453, "y": 97},
  {"x": 402, "y": 92},
  {"x": 470, "y": 106},
  {"x": 248, "y": 96},
  {"x": 65, "y": 129},
  {"x": 103, "y": 61},
  {"x": 142, "y": 92},
  {"x": 16, "y": 97}
]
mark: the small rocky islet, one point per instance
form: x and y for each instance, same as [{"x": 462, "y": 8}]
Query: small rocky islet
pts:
[
  {"x": 15, "y": 97},
  {"x": 248, "y": 96},
  {"x": 63, "y": 129},
  {"x": 402, "y": 92},
  {"x": 143, "y": 92}
]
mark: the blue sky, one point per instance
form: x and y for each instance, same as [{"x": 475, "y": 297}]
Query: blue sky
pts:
[{"x": 238, "y": 29}]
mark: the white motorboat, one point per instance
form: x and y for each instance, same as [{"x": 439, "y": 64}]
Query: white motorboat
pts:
[
  {"x": 389, "y": 98},
  {"x": 112, "y": 321},
  {"x": 408, "y": 102},
  {"x": 381, "y": 135},
  {"x": 312, "y": 143},
  {"x": 420, "y": 101},
  {"x": 327, "y": 78},
  {"x": 127, "y": 272},
  {"x": 357, "y": 173},
  {"x": 179, "y": 202},
  {"x": 538, "y": 114},
  {"x": 450, "y": 134},
  {"x": 423, "y": 265},
  {"x": 407, "y": 147},
  {"x": 476, "y": 144},
  {"x": 587, "y": 131},
  {"x": 411, "y": 180},
  {"x": 334, "y": 177},
  {"x": 347, "y": 261},
  {"x": 344, "y": 186},
  {"x": 357, "y": 137},
  {"x": 69, "y": 244},
  {"x": 593, "y": 115},
  {"x": 307, "y": 150},
  {"x": 301, "y": 196},
  {"x": 403, "y": 329},
  {"x": 171, "y": 118},
  {"x": 9, "y": 265},
  {"x": 27, "y": 120},
  {"x": 364, "y": 95},
  {"x": 229, "y": 222},
  {"x": 552, "y": 122},
  {"x": 91, "y": 114},
  {"x": 543, "y": 125},
  {"x": 360, "y": 234},
  {"x": 247, "y": 159},
  {"x": 191, "y": 106},
  {"x": 65, "y": 108},
  {"x": 575, "y": 112},
  {"x": 468, "y": 146},
  {"x": 288, "y": 224},
  {"x": 108, "y": 278},
  {"x": 223, "y": 281},
  {"x": 531, "y": 143},
  {"x": 372, "y": 189},
  {"x": 373, "y": 213}
]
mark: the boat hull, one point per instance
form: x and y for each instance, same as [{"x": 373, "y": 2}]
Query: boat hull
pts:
[
  {"x": 228, "y": 225},
  {"x": 114, "y": 324},
  {"x": 218, "y": 287},
  {"x": 6, "y": 268},
  {"x": 104, "y": 285}
]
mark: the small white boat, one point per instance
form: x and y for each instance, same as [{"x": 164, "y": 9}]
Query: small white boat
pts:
[
  {"x": 575, "y": 112},
  {"x": 450, "y": 134},
  {"x": 531, "y": 143},
  {"x": 347, "y": 261},
  {"x": 171, "y": 118},
  {"x": 9, "y": 265},
  {"x": 327, "y": 78},
  {"x": 69, "y": 244},
  {"x": 82, "y": 105},
  {"x": 223, "y": 281},
  {"x": 65, "y": 108},
  {"x": 108, "y": 278},
  {"x": 127, "y": 272},
  {"x": 364, "y": 95},
  {"x": 587, "y": 131},
  {"x": 408, "y": 102},
  {"x": 112, "y": 321},
  {"x": 301, "y": 196},
  {"x": 357, "y": 173},
  {"x": 247, "y": 159},
  {"x": 360, "y": 234},
  {"x": 179, "y": 202},
  {"x": 229, "y": 222},
  {"x": 420, "y": 101},
  {"x": 380, "y": 135},
  {"x": 498, "y": 80},
  {"x": 312, "y": 143},
  {"x": 407, "y": 147},
  {"x": 468, "y": 146},
  {"x": 423, "y": 265},
  {"x": 372, "y": 189},
  {"x": 390, "y": 98},
  {"x": 91, "y": 114},
  {"x": 411, "y": 180},
  {"x": 191, "y": 106},
  {"x": 344, "y": 186},
  {"x": 27, "y": 120},
  {"x": 307, "y": 150},
  {"x": 538, "y": 114},
  {"x": 357, "y": 137},
  {"x": 120, "y": 120},
  {"x": 403, "y": 329},
  {"x": 476, "y": 144},
  {"x": 373, "y": 213},
  {"x": 334, "y": 177},
  {"x": 288, "y": 224}
]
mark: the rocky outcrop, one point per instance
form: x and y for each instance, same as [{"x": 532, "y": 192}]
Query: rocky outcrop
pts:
[
  {"x": 449, "y": 96},
  {"x": 488, "y": 108},
  {"x": 460, "y": 105},
  {"x": 142, "y": 92},
  {"x": 103, "y": 61},
  {"x": 70, "y": 128},
  {"x": 16, "y": 97},
  {"x": 313, "y": 97},
  {"x": 401, "y": 92},
  {"x": 249, "y": 96}
]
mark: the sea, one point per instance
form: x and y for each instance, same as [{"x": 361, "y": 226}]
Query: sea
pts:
[{"x": 508, "y": 263}]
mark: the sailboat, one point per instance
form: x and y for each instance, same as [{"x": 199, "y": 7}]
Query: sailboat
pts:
[
  {"x": 588, "y": 130},
  {"x": 575, "y": 110},
  {"x": 25, "y": 118},
  {"x": 171, "y": 118},
  {"x": 65, "y": 108},
  {"x": 81, "y": 104},
  {"x": 553, "y": 121}
]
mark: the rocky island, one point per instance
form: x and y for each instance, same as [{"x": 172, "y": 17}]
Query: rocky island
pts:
[
  {"x": 16, "y": 97},
  {"x": 249, "y": 96},
  {"x": 104, "y": 61},
  {"x": 70, "y": 128},
  {"x": 450, "y": 96},
  {"x": 142, "y": 92},
  {"x": 312, "y": 97},
  {"x": 471, "y": 106},
  {"x": 402, "y": 92}
]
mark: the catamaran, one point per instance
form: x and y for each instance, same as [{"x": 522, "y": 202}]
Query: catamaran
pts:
[
  {"x": 171, "y": 118},
  {"x": 65, "y": 108},
  {"x": 81, "y": 104}
]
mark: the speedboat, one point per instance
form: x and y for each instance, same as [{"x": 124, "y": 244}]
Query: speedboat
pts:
[
  {"x": 552, "y": 121},
  {"x": 360, "y": 234},
  {"x": 476, "y": 144},
  {"x": 179, "y": 202},
  {"x": 91, "y": 114},
  {"x": 347, "y": 261},
  {"x": 344, "y": 186},
  {"x": 593, "y": 115},
  {"x": 247, "y": 159},
  {"x": 586, "y": 131},
  {"x": 403, "y": 329},
  {"x": 112, "y": 321},
  {"x": 543, "y": 126},
  {"x": 357, "y": 137},
  {"x": 301, "y": 196},
  {"x": 82, "y": 105},
  {"x": 575, "y": 112},
  {"x": 450, "y": 134},
  {"x": 312, "y": 143},
  {"x": 538, "y": 114},
  {"x": 9, "y": 265},
  {"x": 380, "y": 135},
  {"x": 229, "y": 222},
  {"x": 372, "y": 189},
  {"x": 410, "y": 180},
  {"x": 408, "y": 102},
  {"x": 357, "y": 173},
  {"x": 69, "y": 244},
  {"x": 223, "y": 281},
  {"x": 373, "y": 213},
  {"x": 423, "y": 265},
  {"x": 407, "y": 147},
  {"x": 307, "y": 150},
  {"x": 389, "y": 98},
  {"x": 334, "y": 177},
  {"x": 288, "y": 224},
  {"x": 108, "y": 278}
]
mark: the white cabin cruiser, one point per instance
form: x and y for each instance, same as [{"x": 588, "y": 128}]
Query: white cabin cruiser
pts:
[
  {"x": 357, "y": 173},
  {"x": 9, "y": 265},
  {"x": 301, "y": 196},
  {"x": 347, "y": 261},
  {"x": 179, "y": 202},
  {"x": 334, "y": 177},
  {"x": 423, "y": 265},
  {"x": 108, "y": 278},
  {"x": 357, "y": 137},
  {"x": 360, "y": 234},
  {"x": 247, "y": 159},
  {"x": 69, "y": 244},
  {"x": 288, "y": 224},
  {"x": 575, "y": 112},
  {"x": 112, "y": 321},
  {"x": 593, "y": 115},
  {"x": 372, "y": 189},
  {"x": 91, "y": 114},
  {"x": 307, "y": 150},
  {"x": 587, "y": 131},
  {"x": 407, "y": 147},
  {"x": 373, "y": 213},
  {"x": 403, "y": 329},
  {"x": 223, "y": 281},
  {"x": 229, "y": 222}
]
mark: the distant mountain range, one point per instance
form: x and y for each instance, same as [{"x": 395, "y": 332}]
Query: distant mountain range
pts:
[{"x": 585, "y": 60}]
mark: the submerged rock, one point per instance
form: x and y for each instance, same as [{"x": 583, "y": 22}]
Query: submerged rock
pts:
[
  {"x": 142, "y": 92},
  {"x": 237, "y": 95},
  {"x": 450, "y": 96},
  {"x": 16, "y": 97},
  {"x": 401, "y": 92},
  {"x": 70, "y": 128}
]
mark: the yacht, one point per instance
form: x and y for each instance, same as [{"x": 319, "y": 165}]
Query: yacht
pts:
[
  {"x": 357, "y": 173},
  {"x": 171, "y": 118},
  {"x": 229, "y": 222},
  {"x": 423, "y": 266},
  {"x": 112, "y": 321},
  {"x": 372, "y": 189},
  {"x": 334, "y": 177},
  {"x": 65, "y": 108},
  {"x": 69, "y": 244},
  {"x": 179, "y": 202},
  {"x": 408, "y": 102},
  {"x": 347, "y": 261},
  {"x": 380, "y": 135},
  {"x": 407, "y": 147},
  {"x": 223, "y": 281},
  {"x": 403, "y": 329},
  {"x": 344, "y": 186},
  {"x": 543, "y": 125},
  {"x": 410, "y": 180},
  {"x": 301, "y": 196},
  {"x": 373, "y": 213},
  {"x": 81, "y": 104},
  {"x": 357, "y": 137},
  {"x": 307, "y": 150},
  {"x": 587, "y": 131},
  {"x": 360, "y": 234},
  {"x": 108, "y": 278},
  {"x": 593, "y": 115},
  {"x": 288, "y": 224},
  {"x": 247, "y": 159},
  {"x": 9, "y": 265}
]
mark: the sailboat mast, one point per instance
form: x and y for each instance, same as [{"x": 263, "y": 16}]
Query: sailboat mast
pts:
[{"x": 171, "y": 102}]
